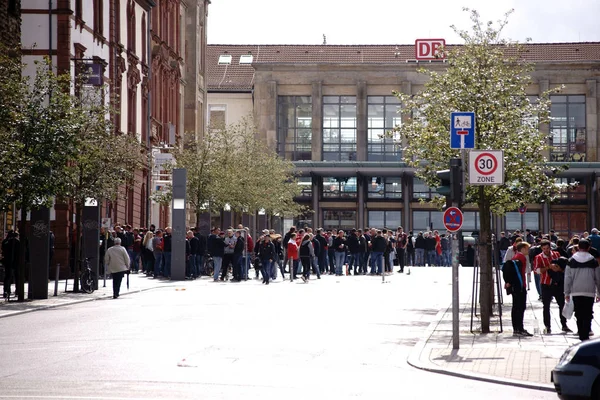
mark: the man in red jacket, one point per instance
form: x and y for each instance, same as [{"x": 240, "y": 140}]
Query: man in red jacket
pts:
[
  {"x": 541, "y": 265},
  {"x": 292, "y": 255}
]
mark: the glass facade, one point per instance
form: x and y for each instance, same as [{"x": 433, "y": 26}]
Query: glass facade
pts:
[
  {"x": 516, "y": 220},
  {"x": 339, "y": 219},
  {"x": 339, "y": 128},
  {"x": 294, "y": 127},
  {"x": 339, "y": 187},
  {"x": 305, "y": 183},
  {"x": 568, "y": 128},
  {"x": 385, "y": 219},
  {"x": 383, "y": 115},
  {"x": 384, "y": 188},
  {"x": 575, "y": 195},
  {"x": 421, "y": 190},
  {"x": 427, "y": 220}
]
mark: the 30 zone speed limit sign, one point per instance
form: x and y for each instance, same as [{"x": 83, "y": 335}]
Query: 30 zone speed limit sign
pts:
[{"x": 486, "y": 167}]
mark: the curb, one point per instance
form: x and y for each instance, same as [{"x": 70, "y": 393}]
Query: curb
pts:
[
  {"x": 78, "y": 301},
  {"x": 414, "y": 360}
]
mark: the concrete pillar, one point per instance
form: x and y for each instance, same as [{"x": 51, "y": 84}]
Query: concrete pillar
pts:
[
  {"x": 591, "y": 105},
  {"x": 360, "y": 187},
  {"x": 316, "y": 184},
  {"x": 361, "y": 121},
  {"x": 406, "y": 210},
  {"x": 317, "y": 121},
  {"x": 544, "y": 85},
  {"x": 178, "y": 206}
]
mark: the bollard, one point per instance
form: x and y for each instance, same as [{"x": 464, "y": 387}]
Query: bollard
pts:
[{"x": 56, "y": 279}]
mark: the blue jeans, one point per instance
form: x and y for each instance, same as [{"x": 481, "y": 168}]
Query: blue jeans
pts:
[
  {"x": 419, "y": 257},
  {"x": 199, "y": 271},
  {"x": 502, "y": 254},
  {"x": 340, "y": 257},
  {"x": 217, "y": 261},
  {"x": 130, "y": 254},
  {"x": 377, "y": 262},
  {"x": 538, "y": 285},
  {"x": 158, "y": 263},
  {"x": 167, "y": 269},
  {"x": 355, "y": 261},
  {"x": 323, "y": 262},
  {"x": 266, "y": 269},
  {"x": 190, "y": 266},
  {"x": 447, "y": 257}
]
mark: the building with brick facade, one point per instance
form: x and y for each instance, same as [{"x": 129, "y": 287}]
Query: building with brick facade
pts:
[{"x": 324, "y": 107}]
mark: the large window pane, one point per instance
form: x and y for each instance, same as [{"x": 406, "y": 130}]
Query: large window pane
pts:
[
  {"x": 294, "y": 121},
  {"x": 339, "y": 187},
  {"x": 339, "y": 144},
  {"x": 382, "y": 117},
  {"x": 423, "y": 220},
  {"x": 568, "y": 128},
  {"x": 339, "y": 219},
  {"x": 380, "y": 188},
  {"x": 421, "y": 190},
  {"x": 529, "y": 220},
  {"x": 385, "y": 219}
]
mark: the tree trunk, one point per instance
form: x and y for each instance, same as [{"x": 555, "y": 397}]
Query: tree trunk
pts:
[
  {"x": 78, "y": 246},
  {"x": 198, "y": 218},
  {"x": 20, "y": 281},
  {"x": 486, "y": 287}
]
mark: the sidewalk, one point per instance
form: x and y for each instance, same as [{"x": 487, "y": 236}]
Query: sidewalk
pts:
[
  {"x": 497, "y": 357},
  {"x": 137, "y": 283}
]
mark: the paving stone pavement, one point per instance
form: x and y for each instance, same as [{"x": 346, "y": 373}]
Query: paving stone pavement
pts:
[
  {"x": 498, "y": 356},
  {"x": 137, "y": 283}
]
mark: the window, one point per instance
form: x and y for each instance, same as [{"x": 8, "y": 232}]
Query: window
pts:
[
  {"x": 144, "y": 44},
  {"x": 516, "y": 220},
  {"x": 217, "y": 116},
  {"x": 339, "y": 187},
  {"x": 305, "y": 183},
  {"x": 427, "y": 220},
  {"x": 421, "y": 190},
  {"x": 385, "y": 188},
  {"x": 339, "y": 128},
  {"x": 131, "y": 40},
  {"x": 99, "y": 17},
  {"x": 568, "y": 128},
  {"x": 577, "y": 194},
  {"x": 78, "y": 9},
  {"x": 337, "y": 219},
  {"x": 246, "y": 59},
  {"x": 382, "y": 117},
  {"x": 566, "y": 224},
  {"x": 385, "y": 219},
  {"x": 224, "y": 59},
  {"x": 294, "y": 127}
]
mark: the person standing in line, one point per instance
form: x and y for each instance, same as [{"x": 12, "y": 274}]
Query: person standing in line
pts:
[
  {"x": 378, "y": 248},
  {"x": 582, "y": 285},
  {"x": 353, "y": 247},
  {"x": 117, "y": 264},
  {"x": 322, "y": 250},
  {"x": 420, "y": 250},
  {"x": 194, "y": 250},
  {"x": 266, "y": 253},
  {"x": 339, "y": 245},
  {"x": 410, "y": 249},
  {"x": 137, "y": 251},
  {"x": 401, "y": 246},
  {"x": 167, "y": 246},
  {"x": 307, "y": 253},
  {"x": 157, "y": 247},
  {"x": 10, "y": 260},
  {"x": 292, "y": 255},
  {"x": 362, "y": 251},
  {"x": 503, "y": 245},
  {"x": 331, "y": 251},
  {"x": 238, "y": 255},
  {"x": 148, "y": 252}
]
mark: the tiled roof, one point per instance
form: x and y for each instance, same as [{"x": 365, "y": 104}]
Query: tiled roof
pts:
[{"x": 236, "y": 77}]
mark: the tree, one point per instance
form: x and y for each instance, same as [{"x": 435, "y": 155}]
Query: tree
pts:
[
  {"x": 487, "y": 75},
  {"x": 104, "y": 161},
  {"x": 229, "y": 165},
  {"x": 38, "y": 134}
]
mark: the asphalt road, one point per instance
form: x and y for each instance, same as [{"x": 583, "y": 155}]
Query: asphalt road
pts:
[{"x": 337, "y": 338}]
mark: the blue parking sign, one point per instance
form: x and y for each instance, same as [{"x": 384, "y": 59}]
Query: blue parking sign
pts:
[{"x": 462, "y": 130}]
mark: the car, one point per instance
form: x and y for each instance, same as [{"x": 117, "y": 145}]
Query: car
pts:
[{"x": 577, "y": 374}]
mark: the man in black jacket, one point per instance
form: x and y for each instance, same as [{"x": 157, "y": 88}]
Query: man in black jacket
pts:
[
  {"x": 216, "y": 248},
  {"x": 201, "y": 250},
  {"x": 238, "y": 252},
  {"x": 322, "y": 250},
  {"x": 266, "y": 253},
  {"x": 353, "y": 248},
  {"x": 379, "y": 244},
  {"x": 10, "y": 260},
  {"x": 362, "y": 251},
  {"x": 194, "y": 249}
]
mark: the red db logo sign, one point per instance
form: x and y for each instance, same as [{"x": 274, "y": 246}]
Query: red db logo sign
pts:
[{"x": 429, "y": 49}]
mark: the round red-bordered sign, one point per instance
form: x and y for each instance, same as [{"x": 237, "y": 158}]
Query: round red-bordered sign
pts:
[
  {"x": 453, "y": 219},
  {"x": 489, "y": 164}
]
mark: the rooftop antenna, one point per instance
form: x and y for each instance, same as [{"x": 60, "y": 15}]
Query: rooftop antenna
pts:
[{"x": 324, "y": 39}]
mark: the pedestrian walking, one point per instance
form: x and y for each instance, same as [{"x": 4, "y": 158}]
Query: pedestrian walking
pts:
[
  {"x": 10, "y": 260},
  {"x": 513, "y": 272},
  {"x": 582, "y": 283},
  {"x": 117, "y": 264}
]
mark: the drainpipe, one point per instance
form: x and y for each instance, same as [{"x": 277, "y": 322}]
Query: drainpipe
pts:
[{"x": 149, "y": 117}]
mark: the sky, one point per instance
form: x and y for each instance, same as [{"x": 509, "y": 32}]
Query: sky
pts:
[{"x": 395, "y": 21}]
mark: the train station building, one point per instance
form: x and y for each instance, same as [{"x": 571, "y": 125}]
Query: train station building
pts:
[{"x": 325, "y": 107}]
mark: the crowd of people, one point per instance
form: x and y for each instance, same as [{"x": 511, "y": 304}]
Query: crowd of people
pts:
[{"x": 563, "y": 271}]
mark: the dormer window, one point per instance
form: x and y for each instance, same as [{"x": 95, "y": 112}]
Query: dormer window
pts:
[
  {"x": 246, "y": 59},
  {"x": 225, "y": 59}
]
